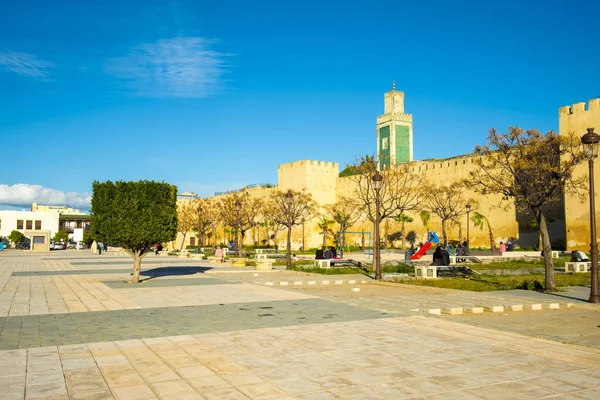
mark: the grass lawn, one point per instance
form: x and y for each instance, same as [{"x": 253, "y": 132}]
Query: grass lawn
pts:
[
  {"x": 365, "y": 270},
  {"x": 518, "y": 264},
  {"x": 486, "y": 283}
]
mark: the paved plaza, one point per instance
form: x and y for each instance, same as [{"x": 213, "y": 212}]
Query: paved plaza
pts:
[{"x": 73, "y": 328}]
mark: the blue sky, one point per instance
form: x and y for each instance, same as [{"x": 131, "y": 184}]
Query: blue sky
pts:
[{"x": 214, "y": 95}]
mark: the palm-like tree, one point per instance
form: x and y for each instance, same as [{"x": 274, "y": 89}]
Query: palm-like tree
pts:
[
  {"x": 324, "y": 224},
  {"x": 479, "y": 220},
  {"x": 403, "y": 219},
  {"x": 425, "y": 217}
]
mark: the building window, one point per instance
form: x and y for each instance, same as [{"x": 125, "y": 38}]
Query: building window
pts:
[
  {"x": 38, "y": 225},
  {"x": 19, "y": 224},
  {"x": 384, "y": 144},
  {"x": 39, "y": 240},
  {"x": 29, "y": 224},
  {"x": 192, "y": 241}
]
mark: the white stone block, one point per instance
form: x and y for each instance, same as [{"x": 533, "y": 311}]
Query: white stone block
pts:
[
  {"x": 339, "y": 282},
  {"x": 364, "y": 282},
  {"x": 514, "y": 307},
  {"x": 425, "y": 271},
  {"x": 453, "y": 310},
  {"x": 356, "y": 289},
  {"x": 553, "y": 306},
  {"x": 352, "y": 282},
  {"x": 535, "y": 307},
  {"x": 474, "y": 310},
  {"x": 283, "y": 283},
  {"x": 269, "y": 283},
  {"x": 312, "y": 282},
  {"x": 494, "y": 309},
  {"x": 325, "y": 282},
  {"x": 298, "y": 283},
  {"x": 435, "y": 311}
]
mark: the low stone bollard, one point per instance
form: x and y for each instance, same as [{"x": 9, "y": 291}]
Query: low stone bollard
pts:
[
  {"x": 264, "y": 264},
  {"x": 425, "y": 271},
  {"x": 579, "y": 266},
  {"x": 239, "y": 262}
]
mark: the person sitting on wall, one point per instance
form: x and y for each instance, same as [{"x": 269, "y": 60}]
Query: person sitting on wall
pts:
[
  {"x": 328, "y": 254},
  {"x": 319, "y": 254},
  {"x": 409, "y": 253},
  {"x": 333, "y": 252},
  {"x": 438, "y": 256},
  {"x": 578, "y": 256}
]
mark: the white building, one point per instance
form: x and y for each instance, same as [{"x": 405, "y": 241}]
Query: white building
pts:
[{"x": 33, "y": 224}]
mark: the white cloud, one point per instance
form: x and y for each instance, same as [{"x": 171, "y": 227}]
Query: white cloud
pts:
[
  {"x": 177, "y": 67},
  {"x": 25, "y": 64},
  {"x": 22, "y": 194}
]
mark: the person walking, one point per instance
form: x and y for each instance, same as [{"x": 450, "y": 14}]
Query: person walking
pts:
[{"x": 219, "y": 254}]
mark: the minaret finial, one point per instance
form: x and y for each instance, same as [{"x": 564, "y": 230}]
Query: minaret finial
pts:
[{"x": 393, "y": 84}]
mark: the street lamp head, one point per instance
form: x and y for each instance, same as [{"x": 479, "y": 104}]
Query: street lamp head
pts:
[
  {"x": 289, "y": 196},
  {"x": 468, "y": 207},
  {"x": 590, "y": 143},
  {"x": 377, "y": 178}
]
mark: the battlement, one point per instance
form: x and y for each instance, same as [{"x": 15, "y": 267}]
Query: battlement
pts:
[
  {"x": 593, "y": 104},
  {"x": 304, "y": 163}
]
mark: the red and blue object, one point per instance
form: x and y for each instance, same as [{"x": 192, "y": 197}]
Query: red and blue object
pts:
[{"x": 432, "y": 238}]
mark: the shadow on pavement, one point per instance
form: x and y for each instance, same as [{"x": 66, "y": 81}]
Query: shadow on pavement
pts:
[{"x": 172, "y": 271}]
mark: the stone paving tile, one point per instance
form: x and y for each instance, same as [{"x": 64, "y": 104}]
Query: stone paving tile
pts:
[
  {"x": 166, "y": 283},
  {"x": 32, "y": 331},
  {"x": 71, "y": 272}
]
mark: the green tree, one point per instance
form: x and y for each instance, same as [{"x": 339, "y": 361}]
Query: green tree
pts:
[
  {"x": 16, "y": 237},
  {"x": 323, "y": 224},
  {"x": 61, "y": 236},
  {"x": 479, "y": 220},
  {"x": 533, "y": 170},
  {"x": 135, "y": 216},
  {"x": 88, "y": 238},
  {"x": 425, "y": 217},
  {"x": 403, "y": 219}
]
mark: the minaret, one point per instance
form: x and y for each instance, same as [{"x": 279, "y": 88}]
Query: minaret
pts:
[{"x": 394, "y": 131}]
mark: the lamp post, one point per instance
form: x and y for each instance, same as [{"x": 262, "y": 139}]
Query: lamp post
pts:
[
  {"x": 238, "y": 205},
  {"x": 377, "y": 178},
  {"x": 289, "y": 198},
  {"x": 468, "y": 207},
  {"x": 590, "y": 147}
]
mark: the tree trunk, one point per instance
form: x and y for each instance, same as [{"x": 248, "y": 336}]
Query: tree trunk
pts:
[
  {"x": 460, "y": 234},
  {"x": 324, "y": 236},
  {"x": 342, "y": 236},
  {"x": 289, "y": 247},
  {"x": 183, "y": 241},
  {"x": 492, "y": 241},
  {"x": 444, "y": 232},
  {"x": 550, "y": 285},
  {"x": 137, "y": 266}
]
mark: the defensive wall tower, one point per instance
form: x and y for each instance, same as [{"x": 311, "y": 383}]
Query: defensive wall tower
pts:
[
  {"x": 319, "y": 178},
  {"x": 576, "y": 119}
]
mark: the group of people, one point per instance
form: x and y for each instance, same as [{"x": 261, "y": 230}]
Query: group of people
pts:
[
  {"x": 329, "y": 253},
  {"x": 506, "y": 247},
  {"x": 98, "y": 247}
]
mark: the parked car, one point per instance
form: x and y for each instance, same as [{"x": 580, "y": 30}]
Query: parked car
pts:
[{"x": 58, "y": 246}]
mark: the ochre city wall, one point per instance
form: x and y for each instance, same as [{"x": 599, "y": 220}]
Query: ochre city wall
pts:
[{"x": 576, "y": 119}]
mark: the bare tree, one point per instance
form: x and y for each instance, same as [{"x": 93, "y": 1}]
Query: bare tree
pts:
[
  {"x": 240, "y": 211},
  {"x": 533, "y": 170},
  {"x": 398, "y": 193},
  {"x": 346, "y": 213},
  {"x": 185, "y": 220},
  {"x": 447, "y": 202},
  {"x": 288, "y": 209}
]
